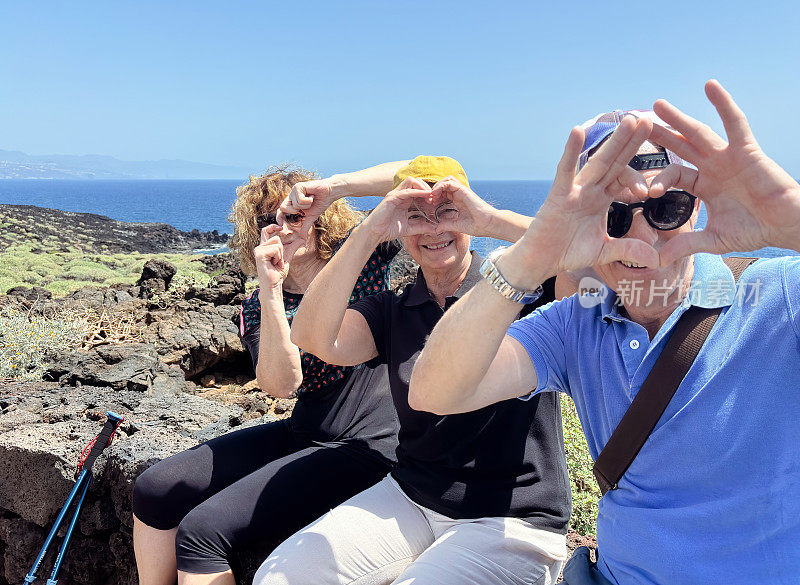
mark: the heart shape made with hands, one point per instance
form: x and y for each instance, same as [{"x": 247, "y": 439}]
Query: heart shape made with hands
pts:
[{"x": 444, "y": 211}]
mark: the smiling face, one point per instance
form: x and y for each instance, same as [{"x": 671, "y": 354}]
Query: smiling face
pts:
[
  {"x": 621, "y": 276},
  {"x": 439, "y": 250}
]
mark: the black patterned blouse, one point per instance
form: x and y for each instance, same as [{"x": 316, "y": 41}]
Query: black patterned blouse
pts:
[{"x": 374, "y": 278}]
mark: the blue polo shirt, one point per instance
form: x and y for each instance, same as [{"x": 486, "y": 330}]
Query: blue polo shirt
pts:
[{"x": 714, "y": 494}]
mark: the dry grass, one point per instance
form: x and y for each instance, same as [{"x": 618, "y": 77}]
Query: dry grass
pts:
[
  {"x": 110, "y": 327},
  {"x": 31, "y": 338}
]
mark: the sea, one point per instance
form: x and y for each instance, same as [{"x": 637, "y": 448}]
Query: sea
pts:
[{"x": 205, "y": 204}]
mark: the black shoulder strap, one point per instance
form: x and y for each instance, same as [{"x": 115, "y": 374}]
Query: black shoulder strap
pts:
[{"x": 658, "y": 389}]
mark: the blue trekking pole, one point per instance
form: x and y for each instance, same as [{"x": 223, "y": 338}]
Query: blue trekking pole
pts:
[{"x": 95, "y": 447}]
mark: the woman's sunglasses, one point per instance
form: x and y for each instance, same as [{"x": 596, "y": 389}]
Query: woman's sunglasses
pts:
[
  {"x": 293, "y": 220},
  {"x": 668, "y": 212}
]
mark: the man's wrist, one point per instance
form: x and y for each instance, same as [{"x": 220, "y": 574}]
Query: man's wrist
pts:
[{"x": 520, "y": 270}]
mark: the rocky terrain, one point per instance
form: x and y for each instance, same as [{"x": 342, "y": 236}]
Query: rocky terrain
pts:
[
  {"x": 179, "y": 375},
  {"x": 97, "y": 233},
  {"x": 181, "y": 378}
]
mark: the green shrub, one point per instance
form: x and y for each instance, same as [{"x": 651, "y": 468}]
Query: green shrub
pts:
[
  {"x": 60, "y": 288},
  {"x": 64, "y": 272},
  {"x": 88, "y": 271},
  {"x": 27, "y": 341},
  {"x": 585, "y": 493}
]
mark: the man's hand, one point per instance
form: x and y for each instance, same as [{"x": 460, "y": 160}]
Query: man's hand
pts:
[
  {"x": 271, "y": 263},
  {"x": 751, "y": 201},
  {"x": 570, "y": 230},
  {"x": 397, "y": 216}
]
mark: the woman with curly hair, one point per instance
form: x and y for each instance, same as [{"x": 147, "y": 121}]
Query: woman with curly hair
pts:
[{"x": 251, "y": 489}]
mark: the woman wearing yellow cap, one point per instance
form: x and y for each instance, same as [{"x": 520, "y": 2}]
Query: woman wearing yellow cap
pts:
[{"x": 480, "y": 497}]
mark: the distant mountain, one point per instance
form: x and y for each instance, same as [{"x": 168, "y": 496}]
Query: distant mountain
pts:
[{"x": 18, "y": 165}]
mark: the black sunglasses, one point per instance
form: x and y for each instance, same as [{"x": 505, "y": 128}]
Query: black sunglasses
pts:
[
  {"x": 668, "y": 212},
  {"x": 263, "y": 221},
  {"x": 292, "y": 219}
]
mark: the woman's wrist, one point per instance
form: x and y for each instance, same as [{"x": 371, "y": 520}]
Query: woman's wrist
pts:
[
  {"x": 506, "y": 225},
  {"x": 369, "y": 234},
  {"x": 270, "y": 294},
  {"x": 339, "y": 186}
]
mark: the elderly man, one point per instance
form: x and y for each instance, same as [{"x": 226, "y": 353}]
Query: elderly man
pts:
[{"x": 712, "y": 495}]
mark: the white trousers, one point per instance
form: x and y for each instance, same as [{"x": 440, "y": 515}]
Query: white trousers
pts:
[{"x": 381, "y": 536}]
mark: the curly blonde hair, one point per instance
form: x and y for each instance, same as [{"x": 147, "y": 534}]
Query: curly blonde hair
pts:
[{"x": 264, "y": 194}]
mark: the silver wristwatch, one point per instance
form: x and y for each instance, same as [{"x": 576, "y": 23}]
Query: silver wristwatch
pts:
[{"x": 492, "y": 275}]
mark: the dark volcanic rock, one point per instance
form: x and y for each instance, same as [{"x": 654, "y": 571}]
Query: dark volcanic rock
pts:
[
  {"x": 402, "y": 270},
  {"x": 218, "y": 263},
  {"x": 155, "y": 278},
  {"x": 30, "y": 294},
  {"x": 197, "y": 336},
  {"x": 225, "y": 289},
  {"x": 134, "y": 366},
  {"x": 98, "y": 234},
  {"x": 43, "y": 429},
  {"x": 158, "y": 269}
]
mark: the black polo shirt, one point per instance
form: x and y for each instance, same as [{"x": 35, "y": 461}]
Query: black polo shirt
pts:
[{"x": 506, "y": 459}]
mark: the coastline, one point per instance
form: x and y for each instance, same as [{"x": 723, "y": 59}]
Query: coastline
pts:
[{"x": 63, "y": 251}]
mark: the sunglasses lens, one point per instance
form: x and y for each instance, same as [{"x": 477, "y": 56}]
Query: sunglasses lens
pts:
[
  {"x": 619, "y": 219},
  {"x": 263, "y": 221},
  {"x": 294, "y": 219},
  {"x": 670, "y": 211}
]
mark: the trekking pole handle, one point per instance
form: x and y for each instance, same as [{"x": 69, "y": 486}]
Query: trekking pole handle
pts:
[{"x": 103, "y": 439}]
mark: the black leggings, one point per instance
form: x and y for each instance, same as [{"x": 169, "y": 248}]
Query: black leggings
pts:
[{"x": 258, "y": 485}]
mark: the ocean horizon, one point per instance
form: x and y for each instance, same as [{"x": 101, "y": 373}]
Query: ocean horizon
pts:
[{"x": 204, "y": 204}]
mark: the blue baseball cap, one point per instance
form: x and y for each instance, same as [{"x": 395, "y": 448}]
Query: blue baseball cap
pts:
[{"x": 602, "y": 125}]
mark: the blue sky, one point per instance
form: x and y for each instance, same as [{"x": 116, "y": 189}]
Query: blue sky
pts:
[{"x": 335, "y": 86}]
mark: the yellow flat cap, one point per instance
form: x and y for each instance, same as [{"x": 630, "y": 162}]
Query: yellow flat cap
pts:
[{"x": 431, "y": 169}]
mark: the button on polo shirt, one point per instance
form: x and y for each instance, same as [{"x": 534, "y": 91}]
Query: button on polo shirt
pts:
[
  {"x": 712, "y": 497},
  {"x": 503, "y": 460}
]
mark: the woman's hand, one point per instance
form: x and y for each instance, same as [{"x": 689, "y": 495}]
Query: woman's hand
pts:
[
  {"x": 398, "y": 215},
  {"x": 751, "y": 201},
  {"x": 308, "y": 200},
  {"x": 462, "y": 210},
  {"x": 271, "y": 263}
]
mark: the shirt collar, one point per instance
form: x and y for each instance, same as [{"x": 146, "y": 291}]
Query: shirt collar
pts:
[
  {"x": 712, "y": 286},
  {"x": 419, "y": 294}
]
